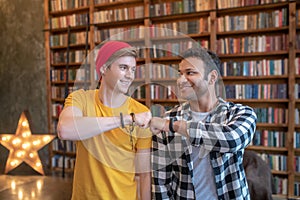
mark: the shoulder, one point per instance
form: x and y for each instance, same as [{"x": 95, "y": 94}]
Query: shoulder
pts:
[
  {"x": 80, "y": 97},
  {"x": 235, "y": 108},
  {"x": 83, "y": 94},
  {"x": 137, "y": 106}
]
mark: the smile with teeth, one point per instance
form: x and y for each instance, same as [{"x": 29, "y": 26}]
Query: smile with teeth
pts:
[
  {"x": 125, "y": 82},
  {"x": 184, "y": 86}
]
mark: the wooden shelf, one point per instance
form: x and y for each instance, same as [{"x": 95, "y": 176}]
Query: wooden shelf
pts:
[
  {"x": 255, "y": 79},
  {"x": 118, "y": 4},
  {"x": 211, "y": 36},
  {"x": 177, "y": 17},
  {"x": 63, "y": 65},
  {"x": 72, "y": 46},
  {"x": 84, "y": 9},
  {"x": 65, "y": 29},
  {"x": 251, "y": 9},
  {"x": 263, "y": 31},
  {"x": 69, "y": 154},
  {"x": 116, "y": 24},
  {"x": 264, "y": 149},
  {"x": 254, "y": 55}
]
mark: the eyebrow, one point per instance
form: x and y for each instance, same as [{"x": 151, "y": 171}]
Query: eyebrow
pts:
[
  {"x": 188, "y": 69},
  {"x": 124, "y": 65}
]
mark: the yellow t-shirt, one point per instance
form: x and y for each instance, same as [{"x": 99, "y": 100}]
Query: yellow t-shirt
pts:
[{"x": 104, "y": 167}]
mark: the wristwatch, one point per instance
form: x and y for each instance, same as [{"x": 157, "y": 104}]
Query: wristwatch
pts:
[{"x": 171, "y": 121}]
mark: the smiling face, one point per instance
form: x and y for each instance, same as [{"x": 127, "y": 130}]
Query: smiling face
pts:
[
  {"x": 119, "y": 76},
  {"x": 192, "y": 82}
]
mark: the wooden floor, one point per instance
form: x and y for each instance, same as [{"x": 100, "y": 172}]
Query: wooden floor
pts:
[{"x": 14, "y": 187}]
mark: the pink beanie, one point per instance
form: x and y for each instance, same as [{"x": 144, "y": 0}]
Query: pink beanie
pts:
[{"x": 107, "y": 50}]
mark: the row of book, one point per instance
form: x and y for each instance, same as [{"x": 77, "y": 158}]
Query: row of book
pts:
[
  {"x": 269, "y": 138},
  {"x": 73, "y": 74},
  {"x": 298, "y": 17},
  {"x": 297, "y": 91},
  {"x": 121, "y": 14},
  {"x": 96, "y": 2},
  {"x": 75, "y": 56},
  {"x": 137, "y": 92},
  {"x": 280, "y": 185},
  {"x": 180, "y": 28},
  {"x": 62, "y": 39},
  {"x": 60, "y": 5},
  {"x": 247, "y": 91},
  {"x": 271, "y": 1},
  {"x": 53, "y": 126},
  {"x": 56, "y": 109},
  {"x": 262, "y": 67},
  {"x": 69, "y": 20},
  {"x": 185, "y": 5},
  {"x": 225, "y": 45},
  {"x": 158, "y": 72},
  {"x": 173, "y": 48},
  {"x": 256, "y": 91},
  {"x": 297, "y": 163},
  {"x": 163, "y": 71},
  {"x": 157, "y": 91},
  {"x": 60, "y": 92},
  {"x": 61, "y": 145},
  {"x": 222, "y": 4},
  {"x": 58, "y": 160},
  {"x": 297, "y": 188},
  {"x": 297, "y": 111},
  {"x": 298, "y": 40},
  {"x": 122, "y": 33},
  {"x": 178, "y": 7},
  {"x": 297, "y": 138},
  {"x": 160, "y": 91},
  {"x": 271, "y": 115},
  {"x": 252, "y": 44},
  {"x": 275, "y": 162},
  {"x": 272, "y": 19}
]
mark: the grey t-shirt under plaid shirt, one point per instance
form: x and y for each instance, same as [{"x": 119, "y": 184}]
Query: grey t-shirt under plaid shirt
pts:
[
  {"x": 226, "y": 132},
  {"x": 203, "y": 179}
]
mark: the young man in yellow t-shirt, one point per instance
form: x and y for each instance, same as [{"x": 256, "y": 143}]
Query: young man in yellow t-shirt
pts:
[{"x": 113, "y": 144}]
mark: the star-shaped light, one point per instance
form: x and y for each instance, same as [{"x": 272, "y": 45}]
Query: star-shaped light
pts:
[{"x": 23, "y": 146}]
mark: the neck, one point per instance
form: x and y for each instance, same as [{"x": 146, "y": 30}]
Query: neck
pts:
[
  {"x": 110, "y": 98},
  {"x": 204, "y": 104}
]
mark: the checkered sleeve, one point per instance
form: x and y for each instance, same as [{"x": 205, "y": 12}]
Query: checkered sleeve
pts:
[
  {"x": 161, "y": 168},
  {"x": 229, "y": 130}
]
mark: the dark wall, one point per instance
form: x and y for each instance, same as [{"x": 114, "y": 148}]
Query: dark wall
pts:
[{"x": 22, "y": 69}]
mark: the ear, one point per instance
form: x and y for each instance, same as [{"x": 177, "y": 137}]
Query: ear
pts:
[
  {"x": 102, "y": 70},
  {"x": 212, "y": 77}
]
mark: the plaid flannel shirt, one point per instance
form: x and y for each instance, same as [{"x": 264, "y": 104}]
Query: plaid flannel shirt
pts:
[{"x": 225, "y": 133}]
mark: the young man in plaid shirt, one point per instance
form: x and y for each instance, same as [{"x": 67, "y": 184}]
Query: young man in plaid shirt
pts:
[{"x": 198, "y": 148}]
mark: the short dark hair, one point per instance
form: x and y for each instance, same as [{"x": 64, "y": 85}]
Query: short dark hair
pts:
[{"x": 210, "y": 59}]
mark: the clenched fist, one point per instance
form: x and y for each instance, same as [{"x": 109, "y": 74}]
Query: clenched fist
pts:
[
  {"x": 143, "y": 119},
  {"x": 158, "y": 124}
]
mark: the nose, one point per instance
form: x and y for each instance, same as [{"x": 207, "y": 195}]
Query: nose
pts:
[
  {"x": 129, "y": 73},
  {"x": 181, "y": 79}
]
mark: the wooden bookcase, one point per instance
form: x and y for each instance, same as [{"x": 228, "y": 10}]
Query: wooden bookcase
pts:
[{"x": 258, "y": 43}]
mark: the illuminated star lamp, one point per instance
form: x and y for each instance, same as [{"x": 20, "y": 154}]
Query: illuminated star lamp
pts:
[{"x": 23, "y": 146}]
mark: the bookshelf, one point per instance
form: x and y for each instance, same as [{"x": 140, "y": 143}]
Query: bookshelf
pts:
[
  {"x": 67, "y": 42},
  {"x": 257, "y": 41}
]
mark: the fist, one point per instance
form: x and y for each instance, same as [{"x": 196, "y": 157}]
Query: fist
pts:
[
  {"x": 159, "y": 124},
  {"x": 143, "y": 119}
]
